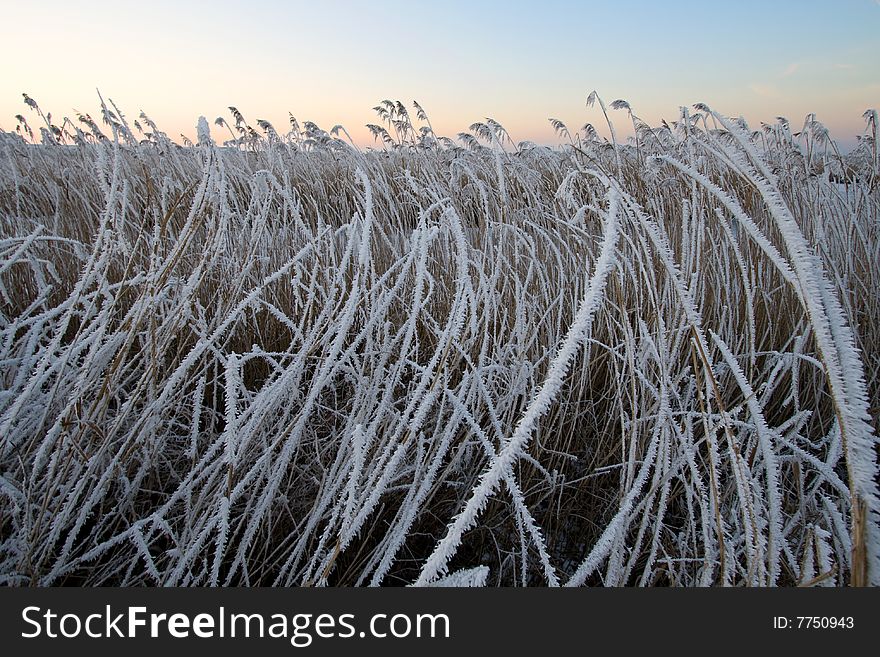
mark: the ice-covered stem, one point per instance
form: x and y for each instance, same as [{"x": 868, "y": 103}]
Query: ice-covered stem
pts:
[
  {"x": 577, "y": 333},
  {"x": 592, "y": 98},
  {"x": 843, "y": 365}
]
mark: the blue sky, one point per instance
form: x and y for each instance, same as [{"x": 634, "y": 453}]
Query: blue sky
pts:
[{"x": 519, "y": 63}]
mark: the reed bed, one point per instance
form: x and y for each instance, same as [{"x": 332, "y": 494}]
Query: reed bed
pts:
[{"x": 285, "y": 360}]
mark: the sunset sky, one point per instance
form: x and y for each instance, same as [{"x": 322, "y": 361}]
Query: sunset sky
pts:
[{"x": 518, "y": 62}]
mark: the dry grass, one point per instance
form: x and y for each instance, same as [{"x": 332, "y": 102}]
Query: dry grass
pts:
[{"x": 288, "y": 361}]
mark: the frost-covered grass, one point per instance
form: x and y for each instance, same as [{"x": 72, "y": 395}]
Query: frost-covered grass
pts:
[{"x": 290, "y": 361}]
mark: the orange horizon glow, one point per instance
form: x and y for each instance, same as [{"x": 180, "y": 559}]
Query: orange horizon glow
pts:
[{"x": 521, "y": 66}]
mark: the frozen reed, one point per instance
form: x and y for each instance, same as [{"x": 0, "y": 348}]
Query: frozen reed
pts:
[{"x": 286, "y": 360}]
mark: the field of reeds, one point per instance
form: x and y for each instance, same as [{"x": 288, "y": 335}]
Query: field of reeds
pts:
[{"x": 285, "y": 360}]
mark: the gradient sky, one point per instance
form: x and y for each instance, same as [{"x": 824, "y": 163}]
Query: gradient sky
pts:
[{"x": 518, "y": 62}]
